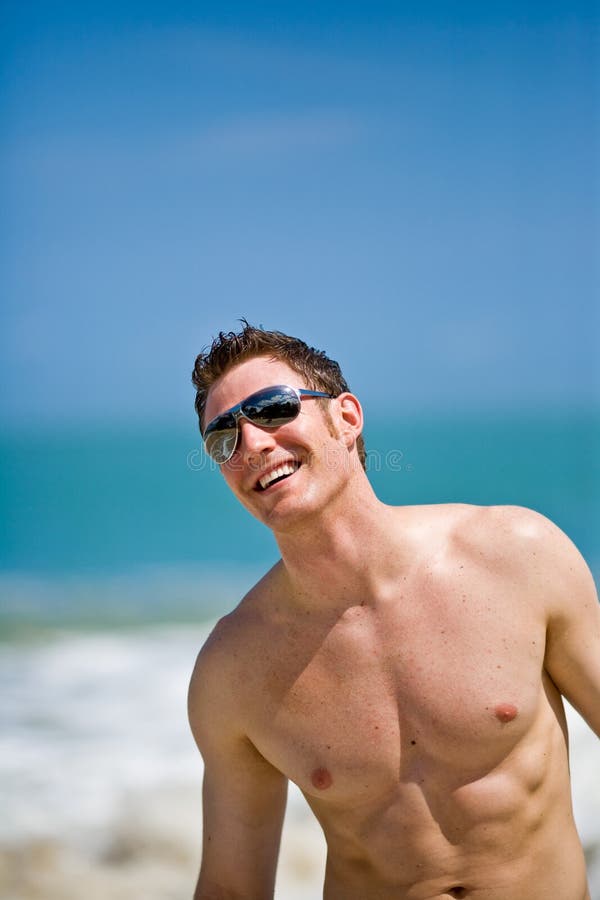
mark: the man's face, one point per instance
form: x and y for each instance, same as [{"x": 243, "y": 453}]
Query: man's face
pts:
[{"x": 306, "y": 451}]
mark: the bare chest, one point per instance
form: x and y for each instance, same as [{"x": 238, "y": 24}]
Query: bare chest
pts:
[{"x": 373, "y": 701}]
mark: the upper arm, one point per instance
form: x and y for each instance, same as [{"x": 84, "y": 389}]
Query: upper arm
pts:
[
  {"x": 573, "y": 633},
  {"x": 244, "y": 796},
  {"x": 558, "y": 576}
]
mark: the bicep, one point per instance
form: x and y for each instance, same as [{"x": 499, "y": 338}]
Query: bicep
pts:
[
  {"x": 573, "y": 632},
  {"x": 243, "y": 800},
  {"x": 243, "y": 795}
]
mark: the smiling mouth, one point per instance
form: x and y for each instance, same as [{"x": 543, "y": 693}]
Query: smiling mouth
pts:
[{"x": 275, "y": 475}]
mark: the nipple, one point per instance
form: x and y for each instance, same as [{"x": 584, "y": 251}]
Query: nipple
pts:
[
  {"x": 505, "y": 712},
  {"x": 321, "y": 779}
]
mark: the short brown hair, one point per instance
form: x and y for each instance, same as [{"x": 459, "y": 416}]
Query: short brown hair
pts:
[{"x": 230, "y": 348}]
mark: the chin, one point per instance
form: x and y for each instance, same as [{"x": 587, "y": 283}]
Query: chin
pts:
[{"x": 292, "y": 514}]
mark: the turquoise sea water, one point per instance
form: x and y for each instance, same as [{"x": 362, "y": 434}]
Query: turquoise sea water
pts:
[
  {"x": 129, "y": 524},
  {"x": 118, "y": 548}
]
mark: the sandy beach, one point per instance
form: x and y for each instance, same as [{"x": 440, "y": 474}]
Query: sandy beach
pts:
[
  {"x": 101, "y": 780},
  {"x": 150, "y": 850}
]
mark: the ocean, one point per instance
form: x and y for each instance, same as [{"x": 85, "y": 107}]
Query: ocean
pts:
[{"x": 119, "y": 547}]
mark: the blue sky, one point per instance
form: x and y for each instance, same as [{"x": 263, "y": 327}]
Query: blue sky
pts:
[{"x": 412, "y": 187}]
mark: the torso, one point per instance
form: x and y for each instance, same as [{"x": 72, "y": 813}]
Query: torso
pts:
[{"x": 422, "y": 729}]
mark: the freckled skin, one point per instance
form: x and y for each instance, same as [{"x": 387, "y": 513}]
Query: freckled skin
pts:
[
  {"x": 361, "y": 622},
  {"x": 505, "y": 712},
  {"x": 321, "y": 779}
]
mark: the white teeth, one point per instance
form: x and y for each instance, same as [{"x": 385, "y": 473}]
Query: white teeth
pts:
[{"x": 285, "y": 469}]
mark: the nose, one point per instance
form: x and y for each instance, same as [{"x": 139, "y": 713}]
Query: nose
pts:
[{"x": 254, "y": 440}]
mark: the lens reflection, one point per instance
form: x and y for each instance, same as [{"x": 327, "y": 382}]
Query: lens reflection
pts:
[{"x": 271, "y": 409}]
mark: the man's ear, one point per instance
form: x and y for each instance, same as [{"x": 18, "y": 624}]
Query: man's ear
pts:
[{"x": 350, "y": 418}]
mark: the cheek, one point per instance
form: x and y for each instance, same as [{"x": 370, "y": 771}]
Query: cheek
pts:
[{"x": 334, "y": 458}]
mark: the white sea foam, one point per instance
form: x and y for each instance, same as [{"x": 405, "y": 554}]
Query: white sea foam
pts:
[
  {"x": 100, "y": 779},
  {"x": 87, "y": 719}
]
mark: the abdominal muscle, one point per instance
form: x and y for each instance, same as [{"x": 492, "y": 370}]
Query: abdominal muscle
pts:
[
  {"x": 426, "y": 867},
  {"x": 491, "y": 840}
]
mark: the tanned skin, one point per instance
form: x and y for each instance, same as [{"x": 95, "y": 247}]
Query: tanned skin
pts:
[{"x": 404, "y": 667}]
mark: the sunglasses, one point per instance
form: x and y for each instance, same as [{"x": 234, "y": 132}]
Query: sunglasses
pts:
[{"x": 268, "y": 408}]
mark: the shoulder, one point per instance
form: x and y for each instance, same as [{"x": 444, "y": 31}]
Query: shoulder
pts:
[
  {"x": 525, "y": 547},
  {"x": 491, "y": 534},
  {"x": 211, "y": 698},
  {"x": 509, "y": 532},
  {"x": 221, "y": 684},
  {"x": 235, "y": 631},
  {"x": 487, "y": 532},
  {"x": 222, "y": 655}
]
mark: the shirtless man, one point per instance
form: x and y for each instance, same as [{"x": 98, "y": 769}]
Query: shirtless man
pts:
[{"x": 403, "y": 666}]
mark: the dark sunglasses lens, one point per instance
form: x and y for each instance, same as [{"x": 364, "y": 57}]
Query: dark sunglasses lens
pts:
[
  {"x": 220, "y": 444},
  {"x": 272, "y": 407}
]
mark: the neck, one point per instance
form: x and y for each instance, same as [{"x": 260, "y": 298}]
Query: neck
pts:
[{"x": 339, "y": 556}]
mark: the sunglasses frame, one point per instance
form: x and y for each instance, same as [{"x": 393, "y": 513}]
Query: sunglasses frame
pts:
[{"x": 238, "y": 413}]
